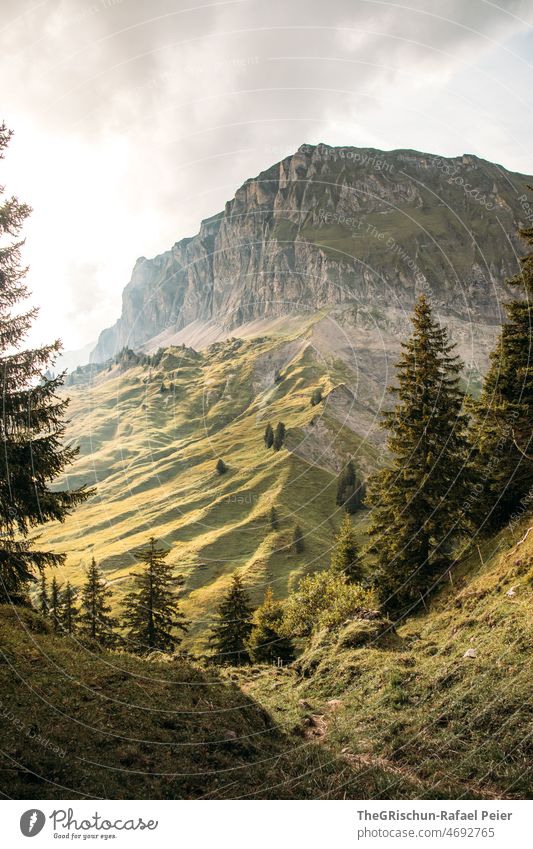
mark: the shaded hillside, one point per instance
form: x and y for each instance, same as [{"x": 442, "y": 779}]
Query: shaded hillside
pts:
[
  {"x": 445, "y": 700},
  {"x": 334, "y": 225},
  {"x": 83, "y": 724}
]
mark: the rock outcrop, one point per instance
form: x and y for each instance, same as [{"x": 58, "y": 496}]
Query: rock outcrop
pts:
[{"x": 333, "y": 225}]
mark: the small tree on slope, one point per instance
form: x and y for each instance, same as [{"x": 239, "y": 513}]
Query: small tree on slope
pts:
[
  {"x": 152, "y": 612},
  {"x": 43, "y": 598},
  {"x": 69, "y": 611},
  {"x": 32, "y": 422},
  {"x": 55, "y": 604},
  {"x": 345, "y": 556},
  {"x": 95, "y": 619},
  {"x": 231, "y": 632},
  {"x": 418, "y": 500}
]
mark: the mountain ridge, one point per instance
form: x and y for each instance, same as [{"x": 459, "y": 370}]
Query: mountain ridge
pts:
[{"x": 329, "y": 225}]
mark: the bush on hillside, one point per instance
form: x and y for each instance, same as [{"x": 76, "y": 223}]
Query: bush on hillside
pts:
[{"x": 325, "y": 600}]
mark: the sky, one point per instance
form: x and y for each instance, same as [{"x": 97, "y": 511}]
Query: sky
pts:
[{"x": 134, "y": 120}]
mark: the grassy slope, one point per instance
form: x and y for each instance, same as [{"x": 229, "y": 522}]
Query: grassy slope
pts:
[
  {"x": 78, "y": 723},
  {"x": 413, "y": 704},
  {"x": 152, "y": 455}
]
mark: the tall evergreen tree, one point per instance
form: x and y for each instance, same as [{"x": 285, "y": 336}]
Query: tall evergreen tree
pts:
[
  {"x": 269, "y": 436},
  {"x": 266, "y": 643},
  {"x": 56, "y": 607},
  {"x": 345, "y": 556},
  {"x": 232, "y": 630},
  {"x": 32, "y": 421},
  {"x": 152, "y": 612},
  {"x": 95, "y": 620},
  {"x": 502, "y": 431},
  {"x": 43, "y": 599},
  {"x": 273, "y": 519},
  {"x": 418, "y": 500},
  {"x": 69, "y": 611},
  {"x": 279, "y": 436}
]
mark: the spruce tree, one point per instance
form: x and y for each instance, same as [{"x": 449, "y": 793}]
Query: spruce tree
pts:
[
  {"x": 32, "y": 421},
  {"x": 95, "y": 620},
  {"x": 279, "y": 436},
  {"x": 355, "y": 499},
  {"x": 269, "y": 436},
  {"x": 232, "y": 630},
  {"x": 69, "y": 611},
  {"x": 298, "y": 542},
  {"x": 417, "y": 501},
  {"x": 273, "y": 519},
  {"x": 43, "y": 599},
  {"x": 345, "y": 558},
  {"x": 56, "y": 607},
  {"x": 266, "y": 643},
  {"x": 350, "y": 490},
  {"x": 152, "y": 612},
  {"x": 221, "y": 467},
  {"x": 502, "y": 431}
]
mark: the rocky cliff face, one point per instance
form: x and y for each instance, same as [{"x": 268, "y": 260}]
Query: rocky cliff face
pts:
[{"x": 337, "y": 225}]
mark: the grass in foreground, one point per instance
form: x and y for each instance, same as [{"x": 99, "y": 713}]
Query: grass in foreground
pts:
[{"x": 78, "y": 723}]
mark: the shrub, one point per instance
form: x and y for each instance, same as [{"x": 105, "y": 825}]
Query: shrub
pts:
[{"x": 325, "y": 600}]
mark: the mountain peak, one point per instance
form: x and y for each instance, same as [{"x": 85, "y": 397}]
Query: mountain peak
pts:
[{"x": 331, "y": 225}]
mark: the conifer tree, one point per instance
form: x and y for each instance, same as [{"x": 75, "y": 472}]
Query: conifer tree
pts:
[
  {"x": 273, "y": 519},
  {"x": 502, "y": 431},
  {"x": 69, "y": 611},
  {"x": 95, "y": 620},
  {"x": 350, "y": 490},
  {"x": 152, "y": 612},
  {"x": 266, "y": 644},
  {"x": 418, "y": 500},
  {"x": 269, "y": 436},
  {"x": 56, "y": 607},
  {"x": 279, "y": 436},
  {"x": 298, "y": 542},
  {"x": 32, "y": 421},
  {"x": 232, "y": 629},
  {"x": 221, "y": 467},
  {"x": 43, "y": 597},
  {"x": 345, "y": 558},
  {"x": 355, "y": 499}
]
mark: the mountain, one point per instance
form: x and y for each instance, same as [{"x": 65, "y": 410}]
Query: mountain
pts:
[{"x": 329, "y": 226}]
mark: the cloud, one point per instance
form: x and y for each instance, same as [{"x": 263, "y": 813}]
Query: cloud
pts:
[{"x": 136, "y": 120}]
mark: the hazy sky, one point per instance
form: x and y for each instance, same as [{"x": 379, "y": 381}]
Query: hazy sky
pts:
[{"x": 135, "y": 119}]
